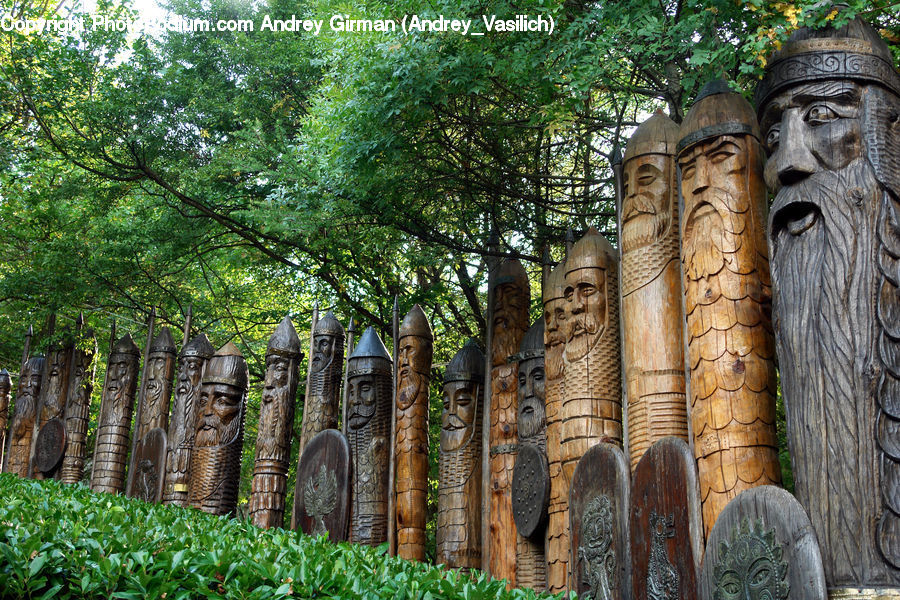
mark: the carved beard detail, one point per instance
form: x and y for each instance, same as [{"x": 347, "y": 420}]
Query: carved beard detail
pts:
[
  {"x": 116, "y": 388},
  {"x": 52, "y": 400},
  {"x": 154, "y": 390},
  {"x": 532, "y": 417},
  {"x": 271, "y": 421},
  {"x": 323, "y": 354},
  {"x": 643, "y": 230},
  {"x": 360, "y": 413},
  {"x": 24, "y": 411},
  {"x": 555, "y": 341},
  {"x": 586, "y": 329},
  {"x": 508, "y": 324},
  {"x": 715, "y": 226},
  {"x": 410, "y": 384},
  {"x": 212, "y": 433}
]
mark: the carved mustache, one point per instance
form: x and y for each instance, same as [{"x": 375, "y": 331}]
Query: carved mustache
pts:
[
  {"x": 451, "y": 421},
  {"x": 585, "y": 323},
  {"x": 642, "y": 204}
]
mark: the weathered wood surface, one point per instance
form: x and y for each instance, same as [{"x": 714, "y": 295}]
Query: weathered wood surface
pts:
[
  {"x": 52, "y": 404},
  {"x": 320, "y": 409},
  {"x": 531, "y": 492},
  {"x": 652, "y": 314},
  {"x": 324, "y": 475},
  {"x": 762, "y": 546},
  {"x": 665, "y": 523},
  {"x": 828, "y": 108},
  {"x": 49, "y": 447},
  {"x": 78, "y": 408},
  {"x": 21, "y": 426},
  {"x": 5, "y": 386},
  {"x": 458, "y": 529},
  {"x": 598, "y": 525},
  {"x": 727, "y": 298},
  {"x": 149, "y": 464}
]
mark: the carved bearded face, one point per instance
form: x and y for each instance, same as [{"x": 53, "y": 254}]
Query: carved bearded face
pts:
[
  {"x": 414, "y": 357},
  {"x": 510, "y": 308},
  {"x": 532, "y": 416},
  {"x": 555, "y": 326},
  {"x": 118, "y": 379},
  {"x": 278, "y": 375},
  {"x": 55, "y": 395},
  {"x": 29, "y": 386},
  {"x": 585, "y": 310},
  {"x": 189, "y": 371},
  {"x": 218, "y": 414},
  {"x": 323, "y": 351},
  {"x": 156, "y": 377},
  {"x": 458, "y": 416},
  {"x": 361, "y": 396},
  {"x": 647, "y": 207}
]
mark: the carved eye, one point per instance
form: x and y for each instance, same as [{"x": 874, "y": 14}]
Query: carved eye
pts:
[
  {"x": 761, "y": 576},
  {"x": 538, "y": 374},
  {"x": 522, "y": 379},
  {"x": 720, "y": 155},
  {"x": 588, "y": 290},
  {"x": 820, "y": 114},
  {"x": 646, "y": 179},
  {"x": 463, "y": 400},
  {"x": 687, "y": 171},
  {"x": 773, "y": 137}
]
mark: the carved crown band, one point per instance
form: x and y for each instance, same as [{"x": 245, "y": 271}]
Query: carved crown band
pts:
[
  {"x": 713, "y": 131},
  {"x": 525, "y": 355},
  {"x": 369, "y": 371}
]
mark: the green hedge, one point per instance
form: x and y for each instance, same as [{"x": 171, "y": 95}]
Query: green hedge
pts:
[{"x": 61, "y": 541}]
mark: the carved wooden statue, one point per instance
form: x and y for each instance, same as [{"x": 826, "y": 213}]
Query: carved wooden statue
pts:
[
  {"x": 762, "y": 548},
  {"x": 653, "y": 320},
  {"x": 5, "y": 385},
  {"x": 531, "y": 477},
  {"x": 323, "y": 507},
  {"x": 219, "y": 437},
  {"x": 727, "y": 298},
  {"x": 511, "y": 298},
  {"x": 411, "y": 434},
  {"x": 320, "y": 412},
  {"x": 153, "y": 413},
  {"x": 554, "y": 297},
  {"x": 50, "y": 444},
  {"x": 114, "y": 427},
  {"x": 458, "y": 527},
  {"x": 183, "y": 424},
  {"x": 78, "y": 408},
  {"x": 829, "y": 106},
  {"x": 21, "y": 426},
  {"x": 369, "y": 388},
  {"x": 276, "y": 422}
]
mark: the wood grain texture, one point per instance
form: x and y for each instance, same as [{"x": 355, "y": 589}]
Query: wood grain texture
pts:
[
  {"x": 653, "y": 321},
  {"x": 763, "y": 546},
  {"x": 599, "y": 526},
  {"x": 727, "y": 294},
  {"x": 324, "y": 475},
  {"x": 21, "y": 426},
  {"x": 52, "y": 404},
  {"x": 665, "y": 523},
  {"x": 149, "y": 466},
  {"x": 834, "y": 235},
  {"x": 5, "y": 386},
  {"x": 49, "y": 447},
  {"x": 320, "y": 409},
  {"x": 78, "y": 408}
]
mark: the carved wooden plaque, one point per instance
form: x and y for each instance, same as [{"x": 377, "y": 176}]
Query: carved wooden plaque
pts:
[
  {"x": 50, "y": 446},
  {"x": 149, "y": 464},
  {"x": 665, "y": 526},
  {"x": 598, "y": 525},
  {"x": 763, "y": 546},
  {"x": 323, "y": 476},
  {"x": 530, "y": 490}
]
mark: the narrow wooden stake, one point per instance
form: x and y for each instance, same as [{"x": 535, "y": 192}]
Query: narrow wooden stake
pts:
[
  {"x": 392, "y": 494},
  {"x": 28, "y": 335},
  {"x": 492, "y": 263},
  {"x": 188, "y": 317},
  {"x": 351, "y": 332},
  {"x": 151, "y": 324}
]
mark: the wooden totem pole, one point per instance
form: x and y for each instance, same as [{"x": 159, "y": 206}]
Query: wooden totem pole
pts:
[
  {"x": 78, "y": 407},
  {"x": 653, "y": 320},
  {"x": 21, "y": 426},
  {"x": 320, "y": 412},
  {"x": 829, "y": 106},
  {"x": 369, "y": 383},
  {"x": 554, "y": 297},
  {"x": 276, "y": 421},
  {"x": 116, "y": 407},
  {"x": 459, "y": 471},
  {"x": 219, "y": 437},
  {"x": 510, "y": 295},
  {"x": 727, "y": 298},
  {"x": 183, "y": 424},
  {"x": 531, "y": 477},
  {"x": 5, "y": 385},
  {"x": 49, "y": 437},
  {"x": 411, "y": 435}
]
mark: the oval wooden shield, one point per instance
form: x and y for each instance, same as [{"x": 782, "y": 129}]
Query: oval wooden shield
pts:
[
  {"x": 598, "y": 525},
  {"x": 763, "y": 541},
  {"x": 50, "y": 445},
  {"x": 149, "y": 463},
  {"x": 323, "y": 485},
  {"x": 665, "y": 524},
  {"x": 530, "y": 490}
]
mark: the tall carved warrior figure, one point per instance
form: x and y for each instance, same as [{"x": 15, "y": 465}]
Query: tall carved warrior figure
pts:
[
  {"x": 21, "y": 426},
  {"x": 411, "y": 434},
  {"x": 5, "y": 385},
  {"x": 276, "y": 421},
  {"x": 116, "y": 407},
  {"x": 727, "y": 299},
  {"x": 829, "y": 107},
  {"x": 320, "y": 412},
  {"x": 369, "y": 383},
  {"x": 157, "y": 390},
  {"x": 554, "y": 297},
  {"x": 459, "y": 471},
  {"x": 511, "y": 297},
  {"x": 49, "y": 440},
  {"x": 78, "y": 408},
  {"x": 651, "y": 289},
  {"x": 219, "y": 437},
  {"x": 183, "y": 424}
]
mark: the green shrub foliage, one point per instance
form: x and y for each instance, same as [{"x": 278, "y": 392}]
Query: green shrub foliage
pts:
[{"x": 59, "y": 541}]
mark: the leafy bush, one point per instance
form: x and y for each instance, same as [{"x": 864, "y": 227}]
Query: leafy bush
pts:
[{"x": 59, "y": 541}]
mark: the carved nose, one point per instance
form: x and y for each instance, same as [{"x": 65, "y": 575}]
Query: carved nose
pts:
[
  {"x": 701, "y": 175},
  {"x": 793, "y": 160}
]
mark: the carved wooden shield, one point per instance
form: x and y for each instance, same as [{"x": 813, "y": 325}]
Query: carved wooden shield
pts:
[
  {"x": 530, "y": 490},
  {"x": 598, "y": 525},
  {"x": 50, "y": 446},
  {"x": 665, "y": 524},
  {"x": 149, "y": 464},
  {"x": 323, "y": 483},
  {"x": 763, "y": 544}
]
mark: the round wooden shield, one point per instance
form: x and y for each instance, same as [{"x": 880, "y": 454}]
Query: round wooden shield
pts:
[
  {"x": 50, "y": 446},
  {"x": 530, "y": 490},
  {"x": 149, "y": 464},
  {"x": 322, "y": 500}
]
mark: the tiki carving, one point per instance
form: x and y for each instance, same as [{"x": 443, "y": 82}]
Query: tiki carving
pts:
[
  {"x": 369, "y": 383},
  {"x": 52, "y": 405},
  {"x": 219, "y": 435},
  {"x": 276, "y": 421},
  {"x": 78, "y": 408},
  {"x": 320, "y": 412},
  {"x": 511, "y": 298},
  {"x": 653, "y": 320},
  {"x": 183, "y": 424},
  {"x": 727, "y": 298},
  {"x": 459, "y": 470},
  {"x": 5, "y": 385},
  {"x": 114, "y": 427},
  {"x": 554, "y": 298},
  {"x": 411, "y": 436},
  {"x": 21, "y": 426},
  {"x": 828, "y": 109}
]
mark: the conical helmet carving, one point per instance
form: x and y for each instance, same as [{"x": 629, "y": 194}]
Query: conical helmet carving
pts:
[
  {"x": 512, "y": 271},
  {"x": 717, "y": 111},
  {"x": 466, "y": 365},
  {"x": 588, "y": 250},
  {"x": 199, "y": 346},
  {"x": 126, "y": 345},
  {"x": 532, "y": 345},
  {"x": 329, "y": 325},
  {"x": 656, "y": 135},
  {"x": 416, "y": 323},
  {"x": 285, "y": 341},
  {"x": 369, "y": 356},
  {"x": 163, "y": 342},
  {"x": 227, "y": 366},
  {"x": 555, "y": 285}
]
